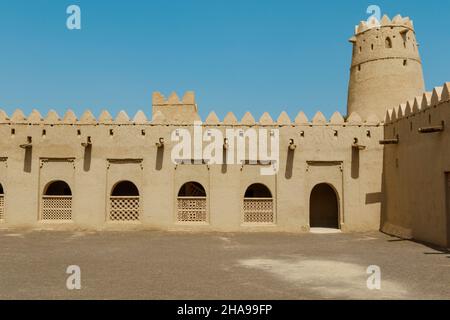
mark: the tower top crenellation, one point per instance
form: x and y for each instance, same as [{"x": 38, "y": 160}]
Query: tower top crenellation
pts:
[{"x": 397, "y": 21}]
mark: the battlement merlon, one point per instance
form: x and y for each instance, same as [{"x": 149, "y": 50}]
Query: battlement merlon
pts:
[
  {"x": 415, "y": 106},
  {"x": 159, "y": 100},
  {"x": 174, "y": 109},
  {"x": 397, "y": 21},
  {"x": 122, "y": 118}
]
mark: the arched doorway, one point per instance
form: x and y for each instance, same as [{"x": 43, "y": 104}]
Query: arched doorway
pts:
[
  {"x": 57, "y": 201},
  {"x": 191, "y": 203},
  {"x": 258, "y": 204},
  {"x": 324, "y": 207},
  {"x": 2, "y": 202},
  {"x": 124, "y": 202}
]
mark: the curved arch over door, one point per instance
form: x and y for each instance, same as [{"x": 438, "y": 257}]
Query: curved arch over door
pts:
[
  {"x": 57, "y": 201},
  {"x": 324, "y": 207},
  {"x": 124, "y": 202},
  {"x": 191, "y": 203}
]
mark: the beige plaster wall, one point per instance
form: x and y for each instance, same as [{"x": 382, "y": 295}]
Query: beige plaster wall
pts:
[
  {"x": 124, "y": 149},
  {"x": 415, "y": 183}
]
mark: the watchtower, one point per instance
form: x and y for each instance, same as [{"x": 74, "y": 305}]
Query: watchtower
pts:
[{"x": 386, "y": 69}]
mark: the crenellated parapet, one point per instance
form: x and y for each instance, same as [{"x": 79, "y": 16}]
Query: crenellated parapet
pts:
[
  {"x": 385, "y": 39},
  {"x": 175, "y": 109},
  {"x": 428, "y": 102},
  {"x": 70, "y": 118},
  {"x": 300, "y": 120},
  {"x": 159, "y": 118},
  {"x": 397, "y": 21}
]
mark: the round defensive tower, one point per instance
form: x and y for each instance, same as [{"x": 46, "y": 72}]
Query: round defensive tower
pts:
[{"x": 386, "y": 69}]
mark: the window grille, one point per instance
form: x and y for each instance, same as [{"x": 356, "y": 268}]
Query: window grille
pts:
[
  {"x": 2, "y": 206},
  {"x": 56, "y": 208},
  {"x": 124, "y": 208},
  {"x": 192, "y": 209},
  {"x": 258, "y": 210}
]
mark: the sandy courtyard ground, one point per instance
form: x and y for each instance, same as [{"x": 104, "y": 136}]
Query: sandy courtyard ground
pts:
[{"x": 163, "y": 265}]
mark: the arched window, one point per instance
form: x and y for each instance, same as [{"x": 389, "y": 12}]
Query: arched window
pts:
[
  {"x": 191, "y": 203},
  {"x": 124, "y": 202},
  {"x": 258, "y": 190},
  {"x": 388, "y": 43},
  {"x": 2, "y": 202},
  {"x": 192, "y": 189},
  {"x": 58, "y": 188},
  {"x": 323, "y": 207},
  {"x": 258, "y": 204},
  {"x": 57, "y": 202},
  {"x": 125, "y": 188}
]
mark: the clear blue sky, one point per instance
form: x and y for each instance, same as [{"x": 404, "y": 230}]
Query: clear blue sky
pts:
[{"x": 237, "y": 55}]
